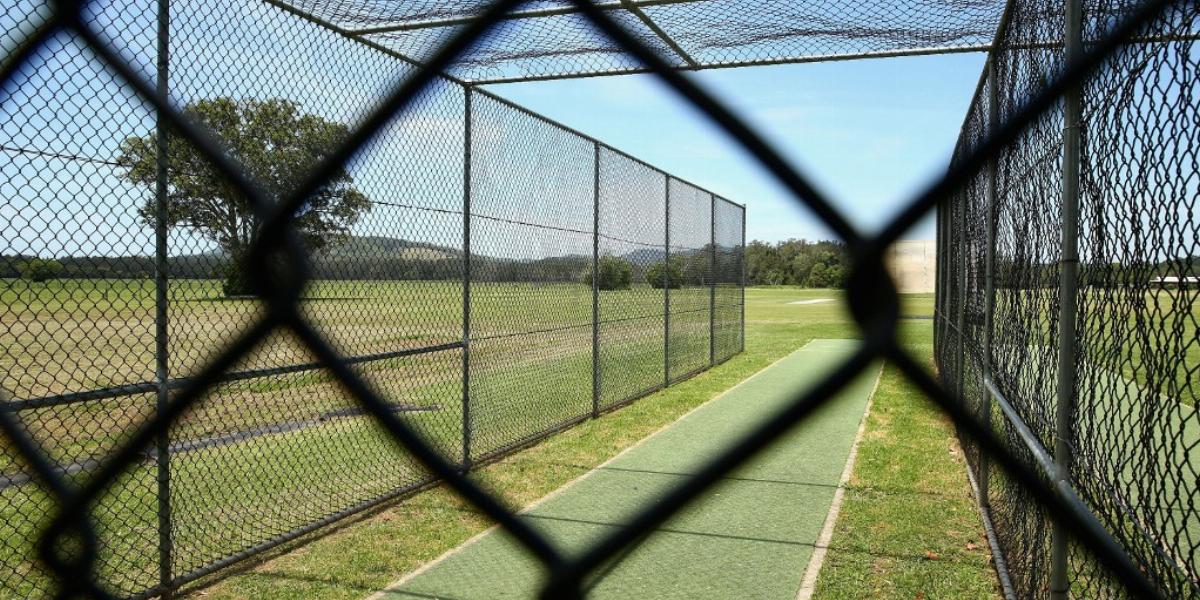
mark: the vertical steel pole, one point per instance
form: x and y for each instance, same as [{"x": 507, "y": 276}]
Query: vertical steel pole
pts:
[
  {"x": 466, "y": 282},
  {"x": 666, "y": 281},
  {"x": 961, "y": 296},
  {"x": 742, "y": 342},
  {"x": 161, "y": 328},
  {"x": 939, "y": 257},
  {"x": 712, "y": 280},
  {"x": 939, "y": 281},
  {"x": 993, "y": 123},
  {"x": 1068, "y": 286},
  {"x": 596, "y": 281}
]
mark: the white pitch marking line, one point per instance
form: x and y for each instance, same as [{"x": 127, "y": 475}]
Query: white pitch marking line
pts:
[
  {"x": 813, "y": 301},
  {"x": 394, "y": 587},
  {"x": 809, "y": 584}
]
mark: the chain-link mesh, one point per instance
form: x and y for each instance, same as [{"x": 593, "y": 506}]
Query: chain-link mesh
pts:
[
  {"x": 632, "y": 229},
  {"x": 1132, "y": 373},
  {"x": 688, "y": 278},
  {"x": 242, "y": 298},
  {"x": 729, "y": 292},
  {"x": 278, "y": 447},
  {"x": 552, "y": 38}
]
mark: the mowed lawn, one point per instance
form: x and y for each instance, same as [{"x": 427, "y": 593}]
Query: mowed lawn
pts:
[
  {"x": 263, "y": 456},
  {"x": 1147, "y": 337},
  {"x": 231, "y": 496},
  {"x": 365, "y": 556}
]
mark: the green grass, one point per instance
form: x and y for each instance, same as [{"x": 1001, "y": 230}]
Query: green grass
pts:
[
  {"x": 1124, "y": 332},
  {"x": 365, "y": 556},
  {"x": 226, "y": 497},
  {"x": 743, "y": 539},
  {"x": 909, "y": 527}
]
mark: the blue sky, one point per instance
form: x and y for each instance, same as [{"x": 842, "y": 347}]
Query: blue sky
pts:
[{"x": 870, "y": 133}]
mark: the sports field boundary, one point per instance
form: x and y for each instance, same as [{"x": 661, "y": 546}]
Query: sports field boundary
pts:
[{"x": 386, "y": 592}]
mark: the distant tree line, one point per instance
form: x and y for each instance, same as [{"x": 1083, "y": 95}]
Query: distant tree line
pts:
[
  {"x": 377, "y": 258},
  {"x": 819, "y": 264},
  {"x": 107, "y": 267},
  {"x": 1018, "y": 274}
]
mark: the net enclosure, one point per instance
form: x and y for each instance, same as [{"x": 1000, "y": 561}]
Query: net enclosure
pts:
[
  {"x": 550, "y": 39},
  {"x": 499, "y": 276},
  {"x": 267, "y": 265},
  {"x": 1069, "y": 299}
]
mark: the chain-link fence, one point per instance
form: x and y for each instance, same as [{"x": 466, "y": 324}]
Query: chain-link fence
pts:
[
  {"x": 551, "y": 39},
  {"x": 579, "y": 280},
  {"x": 1070, "y": 297},
  {"x": 372, "y": 277}
]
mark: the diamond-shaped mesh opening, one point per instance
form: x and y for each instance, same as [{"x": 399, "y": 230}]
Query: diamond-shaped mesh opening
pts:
[
  {"x": 688, "y": 278},
  {"x": 121, "y": 313},
  {"x": 633, "y": 239},
  {"x": 1133, "y": 428}
]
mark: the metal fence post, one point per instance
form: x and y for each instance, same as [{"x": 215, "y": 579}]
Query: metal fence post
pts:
[
  {"x": 993, "y": 123},
  {"x": 666, "y": 280},
  {"x": 712, "y": 280},
  {"x": 960, "y": 297},
  {"x": 161, "y": 329},
  {"x": 1068, "y": 285},
  {"x": 938, "y": 296},
  {"x": 937, "y": 273},
  {"x": 466, "y": 282},
  {"x": 596, "y": 281},
  {"x": 743, "y": 338}
]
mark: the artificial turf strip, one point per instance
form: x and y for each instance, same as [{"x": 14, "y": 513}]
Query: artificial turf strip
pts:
[{"x": 751, "y": 537}]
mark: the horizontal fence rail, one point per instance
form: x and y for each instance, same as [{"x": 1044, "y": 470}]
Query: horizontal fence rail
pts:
[
  {"x": 1068, "y": 296},
  {"x": 498, "y": 276}
]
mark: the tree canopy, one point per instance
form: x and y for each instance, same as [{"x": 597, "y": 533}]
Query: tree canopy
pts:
[
  {"x": 40, "y": 269},
  {"x": 277, "y": 144},
  {"x": 796, "y": 262}
]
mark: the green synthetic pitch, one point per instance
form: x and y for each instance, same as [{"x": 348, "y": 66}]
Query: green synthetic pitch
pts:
[{"x": 750, "y": 537}]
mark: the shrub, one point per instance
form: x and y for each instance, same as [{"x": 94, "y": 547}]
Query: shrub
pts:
[
  {"x": 40, "y": 269},
  {"x": 673, "y": 277},
  {"x": 237, "y": 284},
  {"x": 615, "y": 274}
]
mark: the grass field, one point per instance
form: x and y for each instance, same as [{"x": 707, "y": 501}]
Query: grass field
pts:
[
  {"x": 1151, "y": 338},
  {"x": 908, "y": 527},
  {"x": 227, "y": 497},
  {"x": 70, "y": 336},
  {"x": 365, "y": 556},
  {"x": 81, "y": 335},
  {"x": 1136, "y": 429},
  {"x": 260, "y": 457}
]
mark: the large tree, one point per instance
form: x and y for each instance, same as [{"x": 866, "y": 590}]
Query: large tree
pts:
[{"x": 277, "y": 144}]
